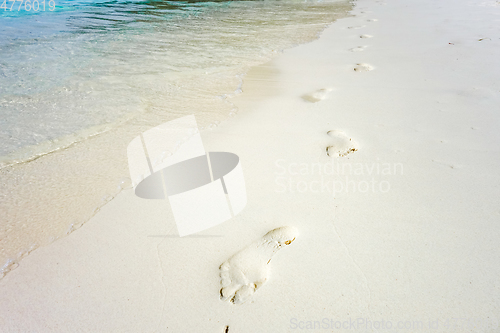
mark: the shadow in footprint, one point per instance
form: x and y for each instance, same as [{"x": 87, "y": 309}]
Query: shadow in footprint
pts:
[{"x": 363, "y": 68}]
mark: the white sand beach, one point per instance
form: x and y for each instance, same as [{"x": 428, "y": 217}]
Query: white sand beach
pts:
[{"x": 378, "y": 143}]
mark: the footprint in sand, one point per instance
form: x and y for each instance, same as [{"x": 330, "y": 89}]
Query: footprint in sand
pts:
[
  {"x": 372, "y": 20},
  {"x": 365, "y": 36},
  {"x": 358, "y": 48},
  {"x": 317, "y": 95},
  {"x": 246, "y": 271},
  {"x": 363, "y": 68},
  {"x": 341, "y": 145}
]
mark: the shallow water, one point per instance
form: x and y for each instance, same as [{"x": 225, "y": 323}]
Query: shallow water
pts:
[
  {"x": 81, "y": 68},
  {"x": 84, "y": 79}
]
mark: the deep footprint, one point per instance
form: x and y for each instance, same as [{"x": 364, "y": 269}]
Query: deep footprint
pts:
[
  {"x": 363, "y": 68},
  {"x": 341, "y": 146},
  {"x": 317, "y": 95},
  {"x": 365, "y": 36},
  {"x": 247, "y": 270}
]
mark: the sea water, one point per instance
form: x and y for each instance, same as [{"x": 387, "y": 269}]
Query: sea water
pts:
[{"x": 79, "y": 79}]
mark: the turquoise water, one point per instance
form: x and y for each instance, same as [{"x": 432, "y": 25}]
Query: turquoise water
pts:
[
  {"x": 83, "y": 80},
  {"x": 86, "y": 66}
]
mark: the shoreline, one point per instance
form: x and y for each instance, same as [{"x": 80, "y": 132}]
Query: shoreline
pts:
[
  {"x": 413, "y": 253},
  {"x": 52, "y": 195}
]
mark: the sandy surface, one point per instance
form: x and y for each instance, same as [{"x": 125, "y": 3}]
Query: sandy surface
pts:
[{"x": 413, "y": 87}]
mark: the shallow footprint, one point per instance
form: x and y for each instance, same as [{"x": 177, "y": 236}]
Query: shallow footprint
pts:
[
  {"x": 341, "y": 146},
  {"x": 246, "y": 271},
  {"x": 317, "y": 95},
  {"x": 358, "y": 49},
  {"x": 365, "y": 36},
  {"x": 363, "y": 68},
  {"x": 357, "y": 27}
]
